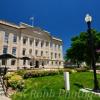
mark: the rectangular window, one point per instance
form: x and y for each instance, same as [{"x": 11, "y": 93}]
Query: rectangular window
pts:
[
  {"x": 30, "y": 51},
  {"x": 31, "y": 63},
  {"x": 52, "y": 62},
  {"x": 51, "y": 55},
  {"x": 55, "y": 55},
  {"x": 6, "y": 38},
  {"x": 5, "y": 49},
  {"x": 36, "y": 53},
  {"x": 3, "y": 62},
  {"x": 14, "y": 50},
  {"x": 31, "y": 42},
  {"x": 58, "y": 47},
  {"x": 41, "y": 53},
  {"x": 24, "y": 41},
  {"x": 47, "y": 44},
  {"x": 42, "y": 44},
  {"x": 24, "y": 50},
  {"x": 59, "y": 55},
  {"x": 51, "y": 44},
  {"x": 59, "y": 63},
  {"x": 24, "y": 62},
  {"x": 46, "y": 53},
  {"x": 13, "y": 62},
  {"x": 36, "y": 43},
  {"x": 55, "y": 46},
  {"x": 14, "y": 38}
]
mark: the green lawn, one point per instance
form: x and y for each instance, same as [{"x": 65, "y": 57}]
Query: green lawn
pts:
[{"x": 52, "y": 88}]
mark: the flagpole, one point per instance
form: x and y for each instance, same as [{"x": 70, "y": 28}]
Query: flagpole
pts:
[{"x": 32, "y": 19}]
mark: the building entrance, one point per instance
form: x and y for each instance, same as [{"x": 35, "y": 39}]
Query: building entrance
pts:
[{"x": 37, "y": 64}]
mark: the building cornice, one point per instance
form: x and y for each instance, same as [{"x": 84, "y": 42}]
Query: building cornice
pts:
[
  {"x": 56, "y": 39},
  {"x": 9, "y": 24},
  {"x": 24, "y": 25}
]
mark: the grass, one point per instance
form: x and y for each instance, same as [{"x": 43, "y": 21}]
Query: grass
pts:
[{"x": 52, "y": 88}]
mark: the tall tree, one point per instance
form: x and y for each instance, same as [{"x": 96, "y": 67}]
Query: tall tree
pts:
[{"x": 79, "y": 51}]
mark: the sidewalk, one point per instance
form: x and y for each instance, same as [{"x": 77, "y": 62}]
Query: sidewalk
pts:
[
  {"x": 4, "y": 98},
  {"x": 97, "y": 71}
]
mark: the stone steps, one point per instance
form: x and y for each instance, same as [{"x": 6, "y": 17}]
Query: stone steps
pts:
[
  {"x": 1, "y": 89},
  {"x": 2, "y": 93}
]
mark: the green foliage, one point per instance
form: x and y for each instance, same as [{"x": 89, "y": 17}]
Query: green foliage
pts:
[
  {"x": 32, "y": 74},
  {"x": 52, "y": 88},
  {"x": 15, "y": 81},
  {"x": 82, "y": 69},
  {"x": 80, "y": 51},
  {"x": 21, "y": 72}
]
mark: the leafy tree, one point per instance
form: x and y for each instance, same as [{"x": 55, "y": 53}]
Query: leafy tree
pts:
[{"x": 80, "y": 51}]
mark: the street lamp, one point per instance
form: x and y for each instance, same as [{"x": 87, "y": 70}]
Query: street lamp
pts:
[{"x": 88, "y": 20}]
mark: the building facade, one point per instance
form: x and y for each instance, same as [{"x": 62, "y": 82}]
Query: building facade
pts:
[{"x": 23, "y": 40}]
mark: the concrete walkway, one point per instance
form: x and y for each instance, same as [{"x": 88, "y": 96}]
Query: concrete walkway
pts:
[
  {"x": 4, "y": 98},
  {"x": 97, "y": 71}
]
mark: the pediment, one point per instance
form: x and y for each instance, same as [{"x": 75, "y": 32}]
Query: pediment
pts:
[
  {"x": 36, "y": 32},
  {"x": 42, "y": 34}
]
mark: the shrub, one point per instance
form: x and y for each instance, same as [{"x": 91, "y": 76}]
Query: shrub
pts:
[
  {"x": 21, "y": 72},
  {"x": 15, "y": 81},
  {"x": 9, "y": 75},
  {"x": 70, "y": 70},
  {"x": 81, "y": 69},
  {"x": 31, "y": 74}
]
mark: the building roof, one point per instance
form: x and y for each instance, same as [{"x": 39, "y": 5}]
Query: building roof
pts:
[{"x": 24, "y": 25}]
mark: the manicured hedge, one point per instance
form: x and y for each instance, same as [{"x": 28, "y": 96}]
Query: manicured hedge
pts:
[{"x": 32, "y": 74}]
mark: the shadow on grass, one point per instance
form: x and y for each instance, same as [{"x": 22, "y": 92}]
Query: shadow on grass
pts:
[{"x": 79, "y": 85}]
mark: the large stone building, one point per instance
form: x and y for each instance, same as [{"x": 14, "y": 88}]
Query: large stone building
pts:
[{"x": 22, "y": 40}]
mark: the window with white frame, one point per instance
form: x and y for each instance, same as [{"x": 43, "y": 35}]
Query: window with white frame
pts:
[
  {"x": 51, "y": 55},
  {"x": 46, "y": 53},
  {"x": 42, "y": 43},
  {"x": 6, "y": 37},
  {"x": 14, "y": 50},
  {"x": 31, "y": 63},
  {"x": 24, "y": 51},
  {"x": 3, "y": 62},
  {"x": 51, "y": 44},
  {"x": 55, "y": 55},
  {"x": 36, "y": 43},
  {"x": 59, "y": 63},
  {"x": 58, "y": 47},
  {"x": 5, "y": 49},
  {"x": 24, "y": 40},
  {"x": 47, "y": 44},
  {"x": 24, "y": 62},
  {"x": 15, "y": 38},
  {"x": 31, "y": 41},
  {"x": 30, "y": 51},
  {"x": 13, "y": 62},
  {"x": 36, "y": 52},
  {"x": 59, "y": 55},
  {"x": 55, "y": 46},
  {"x": 41, "y": 53}
]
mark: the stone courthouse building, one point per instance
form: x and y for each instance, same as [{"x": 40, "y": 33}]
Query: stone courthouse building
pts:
[{"x": 23, "y": 40}]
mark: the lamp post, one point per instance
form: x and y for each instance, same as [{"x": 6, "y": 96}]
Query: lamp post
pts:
[{"x": 88, "y": 20}]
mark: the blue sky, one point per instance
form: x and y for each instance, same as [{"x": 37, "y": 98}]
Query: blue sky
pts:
[{"x": 63, "y": 18}]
